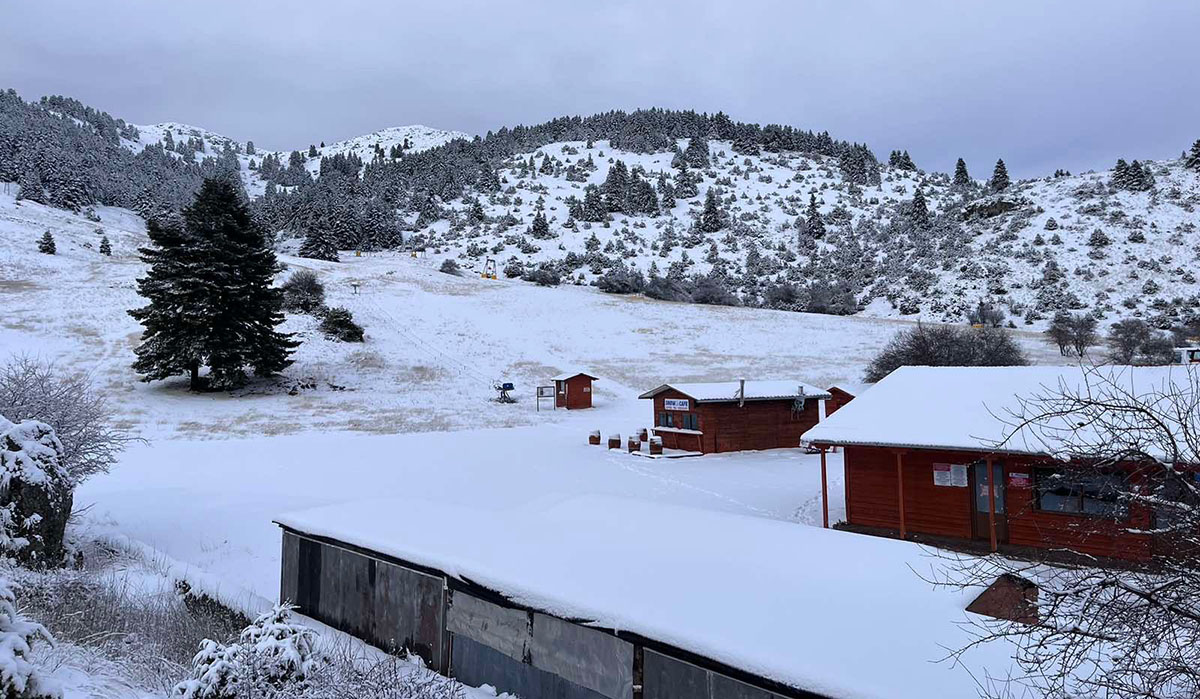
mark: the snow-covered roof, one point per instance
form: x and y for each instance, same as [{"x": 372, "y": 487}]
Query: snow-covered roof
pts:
[
  {"x": 972, "y": 408},
  {"x": 573, "y": 373},
  {"x": 792, "y": 603},
  {"x": 724, "y": 391},
  {"x": 854, "y": 388}
]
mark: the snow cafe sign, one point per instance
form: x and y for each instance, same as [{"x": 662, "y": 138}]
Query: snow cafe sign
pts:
[{"x": 682, "y": 404}]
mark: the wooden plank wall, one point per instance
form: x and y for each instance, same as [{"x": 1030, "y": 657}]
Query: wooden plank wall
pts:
[
  {"x": 947, "y": 511},
  {"x": 928, "y": 508},
  {"x": 768, "y": 424}
]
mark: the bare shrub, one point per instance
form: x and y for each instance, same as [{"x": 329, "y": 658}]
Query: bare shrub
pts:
[
  {"x": 946, "y": 345},
  {"x": 35, "y": 389},
  {"x": 303, "y": 292}
]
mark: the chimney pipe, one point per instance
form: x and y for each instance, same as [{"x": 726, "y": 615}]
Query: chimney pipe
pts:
[{"x": 741, "y": 393}]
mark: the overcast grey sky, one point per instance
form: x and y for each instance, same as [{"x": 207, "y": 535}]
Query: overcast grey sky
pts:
[{"x": 1044, "y": 84}]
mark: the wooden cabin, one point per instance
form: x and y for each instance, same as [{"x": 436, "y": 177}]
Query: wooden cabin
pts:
[
  {"x": 734, "y": 415},
  {"x": 573, "y": 390},
  {"x": 842, "y": 393},
  {"x": 925, "y": 454}
]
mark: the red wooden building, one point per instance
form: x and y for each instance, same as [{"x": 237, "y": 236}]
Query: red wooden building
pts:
[
  {"x": 734, "y": 415},
  {"x": 573, "y": 390},
  {"x": 920, "y": 458},
  {"x": 841, "y": 394}
]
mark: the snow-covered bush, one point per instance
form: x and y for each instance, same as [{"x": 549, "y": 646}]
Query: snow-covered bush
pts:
[
  {"x": 35, "y": 493},
  {"x": 270, "y": 653},
  {"x": 450, "y": 266},
  {"x": 303, "y": 292},
  {"x": 19, "y": 679}
]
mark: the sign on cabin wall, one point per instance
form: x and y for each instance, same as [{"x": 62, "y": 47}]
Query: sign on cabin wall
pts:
[
  {"x": 950, "y": 475},
  {"x": 677, "y": 404},
  {"x": 1019, "y": 480}
]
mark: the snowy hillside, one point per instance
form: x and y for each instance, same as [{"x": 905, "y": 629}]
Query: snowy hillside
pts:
[
  {"x": 1031, "y": 249},
  {"x": 414, "y": 139}
]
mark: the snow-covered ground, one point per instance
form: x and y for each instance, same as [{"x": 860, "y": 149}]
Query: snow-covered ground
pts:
[{"x": 407, "y": 414}]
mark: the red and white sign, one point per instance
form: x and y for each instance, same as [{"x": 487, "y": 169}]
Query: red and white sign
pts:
[{"x": 1019, "y": 480}]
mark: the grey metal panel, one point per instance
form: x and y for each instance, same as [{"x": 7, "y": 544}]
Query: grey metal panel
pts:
[
  {"x": 723, "y": 687},
  {"x": 409, "y": 611},
  {"x": 289, "y": 575},
  {"x": 664, "y": 677},
  {"x": 505, "y": 630},
  {"x": 586, "y": 657},
  {"x": 475, "y": 664}
]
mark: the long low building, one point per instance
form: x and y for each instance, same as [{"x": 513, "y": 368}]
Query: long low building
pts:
[
  {"x": 734, "y": 415},
  {"x": 593, "y": 597},
  {"x": 942, "y": 452}
]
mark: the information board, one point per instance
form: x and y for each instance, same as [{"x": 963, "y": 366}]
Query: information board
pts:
[{"x": 677, "y": 404}]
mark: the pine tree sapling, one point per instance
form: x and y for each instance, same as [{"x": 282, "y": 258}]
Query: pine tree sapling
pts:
[
  {"x": 105, "y": 246},
  {"x": 338, "y": 324},
  {"x": 19, "y": 678},
  {"x": 46, "y": 244}
]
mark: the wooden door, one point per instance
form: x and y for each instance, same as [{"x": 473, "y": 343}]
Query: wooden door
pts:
[{"x": 980, "y": 499}]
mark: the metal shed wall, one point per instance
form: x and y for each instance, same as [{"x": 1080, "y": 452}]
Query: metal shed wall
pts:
[
  {"x": 388, "y": 605},
  {"x": 531, "y": 654},
  {"x": 664, "y": 677}
]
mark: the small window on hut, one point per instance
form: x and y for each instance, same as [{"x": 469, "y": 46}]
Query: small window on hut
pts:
[
  {"x": 691, "y": 421},
  {"x": 1079, "y": 492}
]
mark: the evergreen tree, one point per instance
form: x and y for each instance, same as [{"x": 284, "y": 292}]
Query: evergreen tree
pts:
[
  {"x": 540, "y": 228},
  {"x": 999, "y": 181},
  {"x": 593, "y": 205},
  {"x": 312, "y": 151},
  {"x": 210, "y": 294},
  {"x": 105, "y": 246},
  {"x": 816, "y": 224},
  {"x": 46, "y": 244},
  {"x": 685, "y": 185},
  {"x": 1192, "y": 160},
  {"x": 696, "y": 153},
  {"x": 711, "y": 219},
  {"x": 666, "y": 193},
  {"x": 31, "y": 187},
  {"x": 919, "y": 210},
  {"x": 547, "y": 166},
  {"x": 250, "y": 148},
  {"x": 961, "y": 178},
  {"x": 616, "y": 188}
]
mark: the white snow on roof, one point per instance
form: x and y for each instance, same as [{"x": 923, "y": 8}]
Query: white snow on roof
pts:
[
  {"x": 570, "y": 374},
  {"x": 796, "y": 604},
  {"x": 971, "y": 408},
  {"x": 729, "y": 390},
  {"x": 854, "y": 388}
]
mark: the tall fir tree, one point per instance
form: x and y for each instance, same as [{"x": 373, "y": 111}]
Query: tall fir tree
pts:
[
  {"x": 1192, "y": 160},
  {"x": 105, "y": 247},
  {"x": 999, "y": 181},
  {"x": 666, "y": 193},
  {"x": 711, "y": 218},
  {"x": 962, "y": 179},
  {"x": 920, "y": 210},
  {"x": 320, "y": 243},
  {"x": 816, "y": 224},
  {"x": 696, "y": 153},
  {"x": 210, "y": 293}
]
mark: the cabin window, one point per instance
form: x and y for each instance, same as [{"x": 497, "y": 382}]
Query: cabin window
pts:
[
  {"x": 1079, "y": 492},
  {"x": 664, "y": 420},
  {"x": 691, "y": 421}
]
